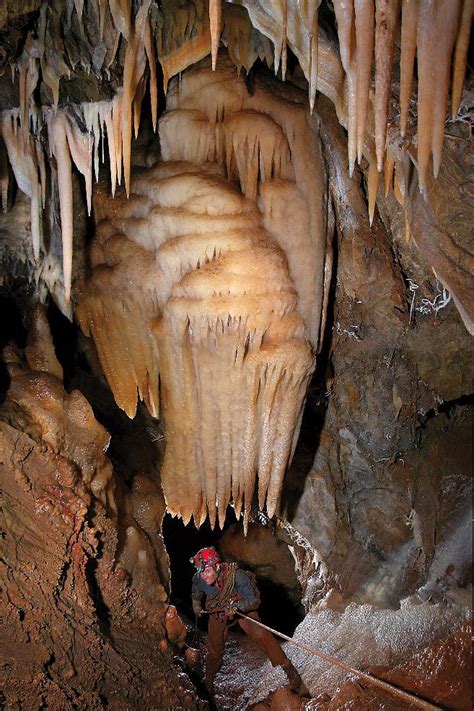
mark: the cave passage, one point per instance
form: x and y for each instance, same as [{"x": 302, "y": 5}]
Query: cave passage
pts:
[{"x": 277, "y": 608}]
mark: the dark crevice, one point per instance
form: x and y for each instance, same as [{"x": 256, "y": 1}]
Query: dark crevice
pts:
[
  {"x": 65, "y": 338},
  {"x": 102, "y": 611},
  {"x": 446, "y": 407},
  {"x": 48, "y": 664},
  {"x": 317, "y": 401},
  {"x": 12, "y": 331}
]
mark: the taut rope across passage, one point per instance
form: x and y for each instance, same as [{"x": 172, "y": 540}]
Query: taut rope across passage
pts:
[{"x": 409, "y": 698}]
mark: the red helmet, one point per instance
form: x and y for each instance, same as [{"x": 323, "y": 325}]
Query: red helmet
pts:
[{"x": 205, "y": 558}]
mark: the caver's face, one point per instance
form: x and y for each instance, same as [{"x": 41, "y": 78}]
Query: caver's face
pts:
[{"x": 209, "y": 575}]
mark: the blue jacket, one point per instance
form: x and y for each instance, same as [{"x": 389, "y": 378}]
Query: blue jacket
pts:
[{"x": 248, "y": 596}]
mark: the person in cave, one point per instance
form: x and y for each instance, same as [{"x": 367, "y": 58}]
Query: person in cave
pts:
[{"x": 228, "y": 590}]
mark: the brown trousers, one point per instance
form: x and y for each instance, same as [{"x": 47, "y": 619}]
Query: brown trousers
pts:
[{"x": 217, "y": 636}]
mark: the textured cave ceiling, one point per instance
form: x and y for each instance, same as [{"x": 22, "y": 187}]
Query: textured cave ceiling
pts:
[{"x": 183, "y": 265}]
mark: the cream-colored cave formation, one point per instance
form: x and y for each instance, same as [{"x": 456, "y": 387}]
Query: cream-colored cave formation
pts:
[
  {"x": 221, "y": 301},
  {"x": 385, "y": 38}
]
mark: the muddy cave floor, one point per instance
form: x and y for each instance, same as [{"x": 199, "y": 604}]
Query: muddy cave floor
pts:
[{"x": 394, "y": 644}]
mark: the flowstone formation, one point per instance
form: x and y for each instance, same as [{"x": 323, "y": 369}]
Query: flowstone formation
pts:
[{"x": 199, "y": 295}]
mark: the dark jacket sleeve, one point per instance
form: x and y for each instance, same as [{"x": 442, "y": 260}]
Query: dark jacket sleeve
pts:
[
  {"x": 196, "y": 593},
  {"x": 249, "y": 596}
]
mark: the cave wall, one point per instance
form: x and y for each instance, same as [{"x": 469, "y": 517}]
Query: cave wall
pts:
[
  {"x": 396, "y": 439},
  {"x": 84, "y": 573}
]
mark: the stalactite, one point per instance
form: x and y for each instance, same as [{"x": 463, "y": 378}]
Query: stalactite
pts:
[
  {"x": 385, "y": 25},
  {"x": 153, "y": 78},
  {"x": 106, "y": 117},
  {"x": 117, "y": 133},
  {"x": 121, "y": 16},
  {"x": 364, "y": 25},
  {"x": 388, "y": 171},
  {"x": 22, "y": 157},
  {"x": 57, "y": 136},
  {"x": 4, "y": 177},
  {"x": 80, "y": 147},
  {"x": 407, "y": 59},
  {"x": 432, "y": 50},
  {"x": 435, "y": 32},
  {"x": 284, "y": 49},
  {"x": 373, "y": 184},
  {"x": 449, "y": 12},
  {"x": 79, "y": 5},
  {"x": 346, "y": 31},
  {"x": 357, "y": 38},
  {"x": 460, "y": 55},
  {"x": 215, "y": 22},
  {"x": 312, "y": 52}
]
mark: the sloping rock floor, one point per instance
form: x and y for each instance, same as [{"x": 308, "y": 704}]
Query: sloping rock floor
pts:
[{"x": 397, "y": 644}]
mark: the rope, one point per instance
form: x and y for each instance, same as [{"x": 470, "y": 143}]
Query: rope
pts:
[
  {"x": 406, "y": 696},
  {"x": 214, "y": 604}
]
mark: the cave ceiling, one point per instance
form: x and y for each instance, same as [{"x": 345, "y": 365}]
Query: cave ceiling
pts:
[{"x": 210, "y": 271}]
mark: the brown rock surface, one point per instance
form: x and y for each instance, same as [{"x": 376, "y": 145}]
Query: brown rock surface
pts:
[
  {"x": 394, "y": 404},
  {"x": 440, "y": 672},
  {"x": 74, "y": 622}
]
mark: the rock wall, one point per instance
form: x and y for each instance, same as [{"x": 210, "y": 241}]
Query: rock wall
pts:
[
  {"x": 393, "y": 455},
  {"x": 83, "y": 569}
]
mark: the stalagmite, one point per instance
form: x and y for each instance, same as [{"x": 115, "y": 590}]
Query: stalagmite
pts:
[
  {"x": 215, "y": 292},
  {"x": 39, "y": 351},
  {"x": 386, "y": 13},
  {"x": 407, "y": 58}
]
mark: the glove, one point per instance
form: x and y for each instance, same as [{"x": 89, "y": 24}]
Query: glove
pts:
[
  {"x": 197, "y": 609},
  {"x": 231, "y": 608}
]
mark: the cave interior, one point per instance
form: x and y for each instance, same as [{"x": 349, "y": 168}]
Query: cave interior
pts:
[{"x": 237, "y": 297}]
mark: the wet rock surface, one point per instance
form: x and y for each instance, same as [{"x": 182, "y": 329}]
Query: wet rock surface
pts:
[
  {"x": 440, "y": 672},
  {"x": 362, "y": 636},
  {"x": 82, "y": 608}
]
